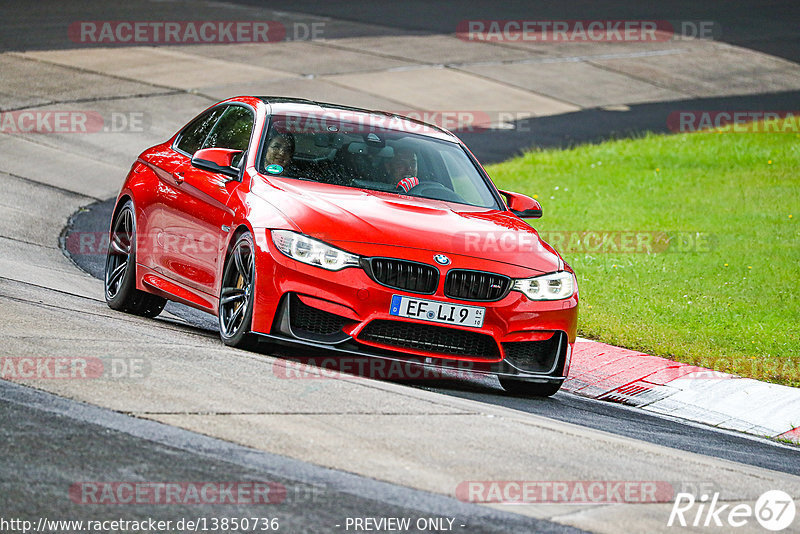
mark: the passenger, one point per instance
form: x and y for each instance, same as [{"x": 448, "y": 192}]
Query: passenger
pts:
[{"x": 280, "y": 150}]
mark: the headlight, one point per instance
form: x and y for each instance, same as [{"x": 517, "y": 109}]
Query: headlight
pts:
[
  {"x": 312, "y": 251},
  {"x": 554, "y": 286}
]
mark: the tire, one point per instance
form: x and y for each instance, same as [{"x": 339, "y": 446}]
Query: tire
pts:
[
  {"x": 120, "y": 272},
  {"x": 521, "y": 388},
  {"x": 236, "y": 295}
]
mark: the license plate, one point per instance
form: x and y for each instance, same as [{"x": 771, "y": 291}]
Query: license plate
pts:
[{"x": 437, "y": 312}]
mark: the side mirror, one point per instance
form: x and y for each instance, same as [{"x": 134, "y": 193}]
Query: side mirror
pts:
[
  {"x": 522, "y": 206},
  {"x": 217, "y": 160}
]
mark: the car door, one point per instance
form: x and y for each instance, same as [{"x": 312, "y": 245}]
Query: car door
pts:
[
  {"x": 198, "y": 216},
  {"x": 165, "y": 164}
]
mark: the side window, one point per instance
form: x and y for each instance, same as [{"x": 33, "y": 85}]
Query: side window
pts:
[
  {"x": 233, "y": 130},
  {"x": 193, "y": 135}
]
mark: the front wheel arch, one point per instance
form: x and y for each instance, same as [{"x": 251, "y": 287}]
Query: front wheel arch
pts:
[{"x": 237, "y": 285}]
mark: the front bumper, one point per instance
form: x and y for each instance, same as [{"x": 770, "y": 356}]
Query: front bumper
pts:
[{"x": 526, "y": 339}]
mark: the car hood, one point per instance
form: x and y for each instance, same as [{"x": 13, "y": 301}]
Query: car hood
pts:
[{"x": 350, "y": 218}]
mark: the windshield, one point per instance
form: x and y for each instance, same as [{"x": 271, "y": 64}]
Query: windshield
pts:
[{"x": 371, "y": 157}]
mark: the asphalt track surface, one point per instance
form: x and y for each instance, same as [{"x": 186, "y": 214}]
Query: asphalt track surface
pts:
[
  {"x": 565, "y": 407},
  {"x": 766, "y": 26},
  {"x": 597, "y": 124},
  {"x": 56, "y": 443},
  {"x": 769, "y": 27}
]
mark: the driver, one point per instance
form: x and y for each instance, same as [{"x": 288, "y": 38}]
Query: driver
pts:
[{"x": 402, "y": 169}]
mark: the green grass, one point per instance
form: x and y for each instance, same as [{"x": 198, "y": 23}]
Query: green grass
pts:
[{"x": 733, "y": 302}]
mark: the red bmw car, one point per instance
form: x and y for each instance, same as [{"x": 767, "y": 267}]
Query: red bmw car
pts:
[{"x": 358, "y": 232}]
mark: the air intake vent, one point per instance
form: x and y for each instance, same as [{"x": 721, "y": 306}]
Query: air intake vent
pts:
[
  {"x": 536, "y": 356},
  {"x": 430, "y": 338},
  {"x": 305, "y": 318},
  {"x": 401, "y": 274},
  {"x": 476, "y": 285}
]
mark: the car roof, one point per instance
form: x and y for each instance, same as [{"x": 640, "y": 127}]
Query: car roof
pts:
[{"x": 280, "y": 105}]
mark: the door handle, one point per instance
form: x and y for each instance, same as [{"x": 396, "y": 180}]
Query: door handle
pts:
[{"x": 178, "y": 176}]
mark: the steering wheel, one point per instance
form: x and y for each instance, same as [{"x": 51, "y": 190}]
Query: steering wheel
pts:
[{"x": 435, "y": 190}]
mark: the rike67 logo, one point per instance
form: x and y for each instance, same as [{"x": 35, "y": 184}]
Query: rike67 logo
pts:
[{"x": 774, "y": 510}]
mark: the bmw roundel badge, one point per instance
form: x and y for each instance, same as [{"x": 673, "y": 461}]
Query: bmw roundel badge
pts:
[{"x": 441, "y": 259}]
